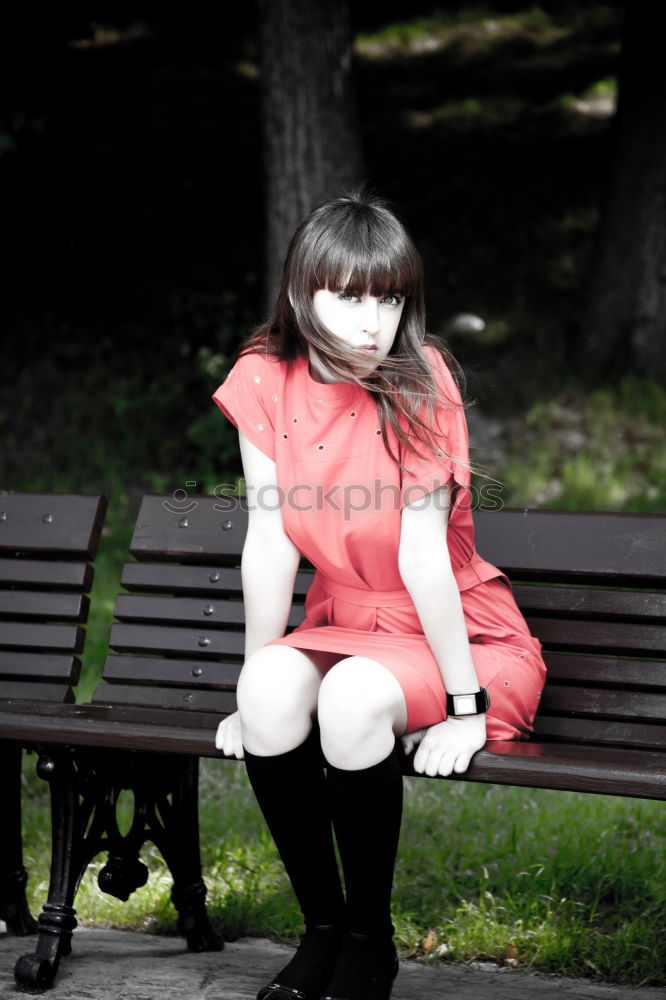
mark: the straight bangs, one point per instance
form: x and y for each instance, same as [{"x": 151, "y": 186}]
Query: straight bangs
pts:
[{"x": 370, "y": 256}]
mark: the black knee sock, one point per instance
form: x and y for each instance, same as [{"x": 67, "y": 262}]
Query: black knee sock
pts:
[
  {"x": 292, "y": 794},
  {"x": 367, "y": 810}
]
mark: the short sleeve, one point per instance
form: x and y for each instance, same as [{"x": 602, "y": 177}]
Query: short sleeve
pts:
[
  {"x": 248, "y": 399},
  {"x": 450, "y": 436}
]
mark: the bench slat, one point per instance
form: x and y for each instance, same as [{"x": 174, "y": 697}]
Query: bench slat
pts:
[
  {"x": 171, "y": 672},
  {"x": 584, "y": 668},
  {"x": 44, "y": 604},
  {"x": 559, "y": 544},
  {"x": 40, "y": 692},
  {"x": 39, "y": 636},
  {"x": 46, "y": 573},
  {"x": 221, "y": 702},
  {"x": 601, "y": 770},
  {"x": 183, "y": 579},
  {"x": 618, "y": 636},
  {"x": 54, "y": 522},
  {"x": 205, "y": 611},
  {"x": 602, "y": 603},
  {"x": 603, "y": 701},
  {"x": 179, "y": 610},
  {"x": 46, "y": 666},
  {"x": 614, "y": 732},
  {"x": 204, "y": 642},
  {"x": 551, "y": 544}
]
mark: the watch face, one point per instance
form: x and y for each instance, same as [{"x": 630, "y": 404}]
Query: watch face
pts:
[{"x": 465, "y": 704}]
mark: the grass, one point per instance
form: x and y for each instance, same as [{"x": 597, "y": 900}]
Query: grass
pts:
[{"x": 559, "y": 882}]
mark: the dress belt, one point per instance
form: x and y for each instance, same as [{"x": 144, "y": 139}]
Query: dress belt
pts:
[
  {"x": 477, "y": 570},
  {"x": 368, "y": 598}
]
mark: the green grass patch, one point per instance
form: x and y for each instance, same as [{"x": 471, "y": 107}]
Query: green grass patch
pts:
[
  {"x": 591, "y": 450},
  {"x": 556, "y": 881}
]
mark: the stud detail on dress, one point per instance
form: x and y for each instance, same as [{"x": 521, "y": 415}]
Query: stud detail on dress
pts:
[
  {"x": 274, "y": 397},
  {"x": 260, "y": 427},
  {"x": 257, "y": 378},
  {"x": 320, "y": 447},
  {"x": 353, "y": 413},
  {"x": 378, "y": 431},
  {"x": 285, "y": 435},
  {"x": 295, "y": 420}
]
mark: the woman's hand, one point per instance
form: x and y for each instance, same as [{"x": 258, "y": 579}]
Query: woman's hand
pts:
[
  {"x": 447, "y": 747},
  {"x": 228, "y": 738}
]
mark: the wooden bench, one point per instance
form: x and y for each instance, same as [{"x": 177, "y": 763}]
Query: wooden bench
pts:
[
  {"x": 46, "y": 542},
  {"x": 591, "y": 586}
]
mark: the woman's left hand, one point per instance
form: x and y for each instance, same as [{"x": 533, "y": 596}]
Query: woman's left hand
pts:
[{"x": 448, "y": 746}]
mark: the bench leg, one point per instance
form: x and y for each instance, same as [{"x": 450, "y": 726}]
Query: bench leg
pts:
[
  {"x": 13, "y": 876},
  {"x": 178, "y": 840},
  {"x": 166, "y": 811},
  {"x": 36, "y": 973}
]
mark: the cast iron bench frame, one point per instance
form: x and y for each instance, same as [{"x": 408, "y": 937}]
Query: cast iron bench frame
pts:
[{"x": 590, "y": 584}]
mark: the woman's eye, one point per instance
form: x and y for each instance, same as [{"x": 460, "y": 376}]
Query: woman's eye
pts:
[
  {"x": 346, "y": 296},
  {"x": 392, "y": 300}
]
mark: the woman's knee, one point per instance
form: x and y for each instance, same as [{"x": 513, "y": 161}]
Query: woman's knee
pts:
[
  {"x": 361, "y": 708},
  {"x": 277, "y": 697}
]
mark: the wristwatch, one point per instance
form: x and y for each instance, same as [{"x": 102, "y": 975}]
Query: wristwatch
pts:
[{"x": 468, "y": 704}]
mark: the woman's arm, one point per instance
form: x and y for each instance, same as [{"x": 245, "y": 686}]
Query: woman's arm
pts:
[
  {"x": 425, "y": 568},
  {"x": 268, "y": 568},
  {"x": 270, "y": 559}
]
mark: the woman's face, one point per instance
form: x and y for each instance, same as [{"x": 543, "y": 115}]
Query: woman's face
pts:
[{"x": 365, "y": 323}]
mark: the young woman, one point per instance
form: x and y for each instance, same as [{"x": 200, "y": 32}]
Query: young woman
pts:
[{"x": 355, "y": 454}]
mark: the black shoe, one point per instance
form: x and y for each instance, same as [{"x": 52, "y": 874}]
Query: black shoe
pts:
[
  {"x": 366, "y": 969},
  {"x": 309, "y": 971}
]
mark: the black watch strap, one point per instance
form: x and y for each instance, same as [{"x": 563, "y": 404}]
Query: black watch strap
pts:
[{"x": 468, "y": 704}]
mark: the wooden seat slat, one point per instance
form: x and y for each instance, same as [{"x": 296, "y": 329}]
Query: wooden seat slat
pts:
[
  {"x": 65, "y": 575},
  {"x": 41, "y": 692},
  {"x": 602, "y": 603},
  {"x": 614, "y": 546},
  {"x": 609, "y": 702},
  {"x": 204, "y": 642},
  {"x": 41, "y": 666},
  {"x": 177, "y": 578},
  {"x": 604, "y": 770},
  {"x": 626, "y": 637},
  {"x": 586, "y": 668},
  {"x": 574, "y": 545},
  {"x": 209, "y": 612},
  {"x": 614, "y": 732},
  {"x": 171, "y": 672},
  {"x": 57, "y": 522},
  {"x": 40, "y": 636},
  {"x": 44, "y": 604},
  {"x": 167, "y": 697}
]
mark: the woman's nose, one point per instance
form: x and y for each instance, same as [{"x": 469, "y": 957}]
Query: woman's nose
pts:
[{"x": 370, "y": 317}]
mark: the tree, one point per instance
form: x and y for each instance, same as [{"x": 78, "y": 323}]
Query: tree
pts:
[
  {"x": 625, "y": 325},
  {"x": 310, "y": 136}
]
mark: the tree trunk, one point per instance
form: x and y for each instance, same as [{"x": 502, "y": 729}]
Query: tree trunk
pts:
[
  {"x": 311, "y": 144},
  {"x": 625, "y": 325}
]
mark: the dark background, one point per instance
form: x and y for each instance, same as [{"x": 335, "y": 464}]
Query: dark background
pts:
[{"x": 133, "y": 213}]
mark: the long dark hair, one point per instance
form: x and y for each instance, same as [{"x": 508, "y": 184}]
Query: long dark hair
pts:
[{"x": 355, "y": 243}]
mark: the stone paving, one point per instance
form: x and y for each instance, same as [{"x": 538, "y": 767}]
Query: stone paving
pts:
[{"x": 124, "y": 965}]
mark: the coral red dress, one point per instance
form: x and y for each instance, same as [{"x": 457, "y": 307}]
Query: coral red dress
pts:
[{"x": 341, "y": 497}]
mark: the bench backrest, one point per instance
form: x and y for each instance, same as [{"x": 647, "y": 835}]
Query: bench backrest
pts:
[
  {"x": 46, "y": 542},
  {"x": 590, "y": 585}
]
